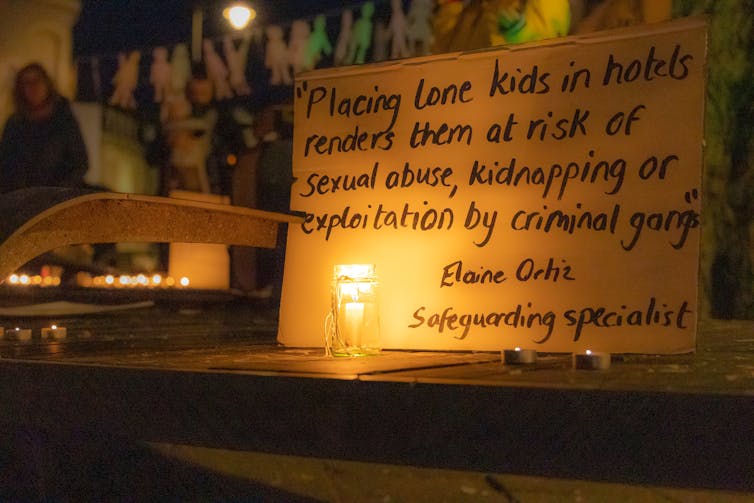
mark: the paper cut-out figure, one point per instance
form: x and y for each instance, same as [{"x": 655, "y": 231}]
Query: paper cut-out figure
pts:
[
  {"x": 236, "y": 59},
  {"x": 318, "y": 43},
  {"x": 361, "y": 37},
  {"x": 538, "y": 20},
  {"x": 445, "y": 19},
  {"x": 180, "y": 68},
  {"x": 397, "y": 28},
  {"x": 216, "y": 71},
  {"x": 611, "y": 14},
  {"x": 189, "y": 130},
  {"x": 276, "y": 57},
  {"x": 298, "y": 44},
  {"x": 344, "y": 38},
  {"x": 125, "y": 80},
  {"x": 420, "y": 27},
  {"x": 159, "y": 74},
  {"x": 472, "y": 24},
  {"x": 381, "y": 42}
]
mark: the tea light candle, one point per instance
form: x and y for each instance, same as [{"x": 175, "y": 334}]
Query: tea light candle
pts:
[
  {"x": 18, "y": 333},
  {"x": 54, "y": 332},
  {"x": 591, "y": 360},
  {"x": 519, "y": 356}
]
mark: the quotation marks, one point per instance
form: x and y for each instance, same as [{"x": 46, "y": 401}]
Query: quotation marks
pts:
[
  {"x": 300, "y": 90},
  {"x": 693, "y": 194}
]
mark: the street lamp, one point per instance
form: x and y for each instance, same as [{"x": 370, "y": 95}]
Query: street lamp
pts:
[{"x": 238, "y": 14}]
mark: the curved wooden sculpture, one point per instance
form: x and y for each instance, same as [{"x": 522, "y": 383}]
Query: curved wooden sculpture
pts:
[{"x": 35, "y": 221}]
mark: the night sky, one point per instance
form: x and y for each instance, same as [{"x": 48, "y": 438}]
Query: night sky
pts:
[
  {"x": 109, "y": 26},
  {"x": 106, "y": 28}
]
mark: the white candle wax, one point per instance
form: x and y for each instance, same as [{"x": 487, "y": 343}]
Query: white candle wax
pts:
[
  {"x": 354, "y": 321},
  {"x": 519, "y": 356},
  {"x": 54, "y": 332},
  {"x": 591, "y": 360}
]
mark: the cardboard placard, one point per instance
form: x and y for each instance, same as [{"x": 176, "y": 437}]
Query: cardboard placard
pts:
[{"x": 545, "y": 195}]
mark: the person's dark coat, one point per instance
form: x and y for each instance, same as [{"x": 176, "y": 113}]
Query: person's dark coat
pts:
[{"x": 50, "y": 152}]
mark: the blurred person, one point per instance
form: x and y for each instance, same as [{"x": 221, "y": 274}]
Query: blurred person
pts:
[
  {"x": 274, "y": 181},
  {"x": 41, "y": 144}
]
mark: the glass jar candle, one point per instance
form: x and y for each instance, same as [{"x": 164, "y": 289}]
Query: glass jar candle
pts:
[{"x": 354, "y": 327}]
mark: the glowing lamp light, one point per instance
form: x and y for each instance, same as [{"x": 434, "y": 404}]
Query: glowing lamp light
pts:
[
  {"x": 353, "y": 327},
  {"x": 239, "y": 15},
  {"x": 184, "y": 281},
  {"x": 23, "y": 279},
  {"x": 13, "y": 279},
  {"x": 156, "y": 279}
]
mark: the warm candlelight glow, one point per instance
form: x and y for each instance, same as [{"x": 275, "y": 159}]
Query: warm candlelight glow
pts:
[
  {"x": 138, "y": 281},
  {"x": 39, "y": 280},
  {"x": 20, "y": 334},
  {"x": 591, "y": 360},
  {"x": 354, "y": 271},
  {"x": 54, "y": 332},
  {"x": 518, "y": 356},
  {"x": 355, "y": 324}
]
